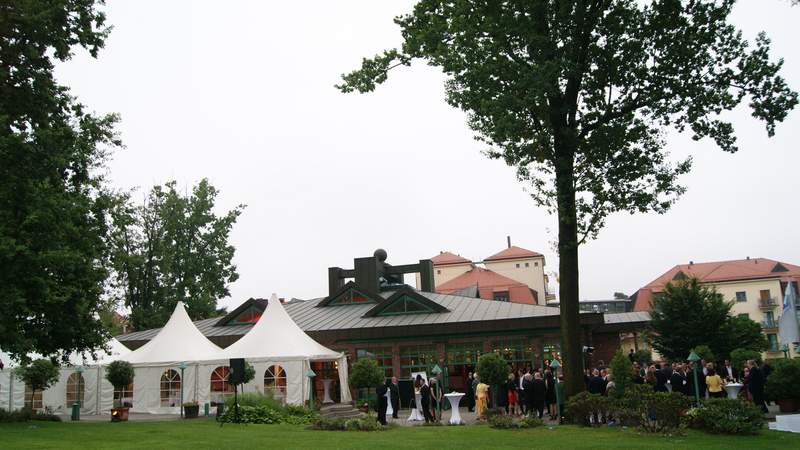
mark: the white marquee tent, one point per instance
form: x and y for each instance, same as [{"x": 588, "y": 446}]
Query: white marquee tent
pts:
[{"x": 277, "y": 340}]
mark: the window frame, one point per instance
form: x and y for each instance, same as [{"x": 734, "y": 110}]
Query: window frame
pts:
[
  {"x": 75, "y": 390},
  {"x": 276, "y": 374},
  {"x": 170, "y": 378}
]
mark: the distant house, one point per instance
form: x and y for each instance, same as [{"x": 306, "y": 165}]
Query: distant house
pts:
[{"x": 755, "y": 285}]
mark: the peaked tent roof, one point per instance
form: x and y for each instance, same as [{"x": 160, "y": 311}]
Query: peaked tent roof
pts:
[
  {"x": 116, "y": 351},
  {"x": 276, "y": 335},
  {"x": 513, "y": 252},
  {"x": 179, "y": 340}
]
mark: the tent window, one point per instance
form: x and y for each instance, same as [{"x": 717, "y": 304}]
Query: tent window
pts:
[
  {"x": 220, "y": 387},
  {"x": 124, "y": 396},
  {"x": 405, "y": 305},
  {"x": 275, "y": 381},
  {"x": 351, "y": 297},
  {"x": 170, "y": 388},
  {"x": 33, "y": 402},
  {"x": 251, "y": 315},
  {"x": 76, "y": 387}
]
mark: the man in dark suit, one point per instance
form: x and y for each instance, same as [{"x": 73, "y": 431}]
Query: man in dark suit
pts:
[
  {"x": 678, "y": 379},
  {"x": 382, "y": 403},
  {"x": 539, "y": 389},
  {"x": 632, "y": 355},
  {"x": 755, "y": 384},
  {"x": 661, "y": 379},
  {"x": 394, "y": 390},
  {"x": 727, "y": 372},
  {"x": 425, "y": 396}
]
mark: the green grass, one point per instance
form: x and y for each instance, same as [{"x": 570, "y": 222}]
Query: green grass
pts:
[{"x": 206, "y": 434}]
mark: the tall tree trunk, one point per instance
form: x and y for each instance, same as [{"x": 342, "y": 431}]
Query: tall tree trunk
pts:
[{"x": 571, "y": 351}]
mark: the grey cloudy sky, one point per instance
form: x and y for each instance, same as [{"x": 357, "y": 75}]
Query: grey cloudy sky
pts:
[{"x": 242, "y": 93}]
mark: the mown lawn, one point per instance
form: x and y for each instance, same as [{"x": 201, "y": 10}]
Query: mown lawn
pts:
[{"x": 206, "y": 434}]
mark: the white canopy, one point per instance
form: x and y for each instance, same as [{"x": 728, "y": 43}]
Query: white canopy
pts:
[
  {"x": 116, "y": 351},
  {"x": 276, "y": 336},
  {"x": 178, "y": 341}
]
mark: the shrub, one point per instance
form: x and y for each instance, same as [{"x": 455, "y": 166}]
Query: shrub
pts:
[
  {"x": 662, "y": 411},
  {"x": 366, "y": 374},
  {"x": 367, "y": 423},
  {"x": 622, "y": 373},
  {"x": 628, "y": 407},
  {"x": 784, "y": 381},
  {"x": 512, "y": 423},
  {"x": 267, "y": 415},
  {"x": 492, "y": 369},
  {"x": 25, "y": 415},
  {"x": 728, "y": 416},
  {"x": 39, "y": 375},
  {"x": 581, "y": 407},
  {"x": 119, "y": 374},
  {"x": 255, "y": 399}
]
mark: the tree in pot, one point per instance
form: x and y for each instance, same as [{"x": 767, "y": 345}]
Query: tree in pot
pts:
[
  {"x": 365, "y": 374},
  {"x": 492, "y": 370},
  {"x": 783, "y": 385},
  {"x": 120, "y": 375},
  {"x": 38, "y": 375}
]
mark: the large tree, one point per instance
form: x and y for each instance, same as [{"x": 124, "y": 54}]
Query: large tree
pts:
[
  {"x": 172, "y": 248},
  {"x": 577, "y": 95},
  {"x": 53, "y": 201},
  {"x": 688, "y": 315}
]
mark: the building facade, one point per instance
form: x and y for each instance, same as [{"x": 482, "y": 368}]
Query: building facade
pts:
[{"x": 756, "y": 287}]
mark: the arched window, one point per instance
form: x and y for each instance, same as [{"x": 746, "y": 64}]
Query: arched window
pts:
[
  {"x": 220, "y": 386},
  {"x": 75, "y": 389},
  {"x": 275, "y": 381},
  {"x": 124, "y": 396},
  {"x": 170, "y": 388},
  {"x": 33, "y": 402}
]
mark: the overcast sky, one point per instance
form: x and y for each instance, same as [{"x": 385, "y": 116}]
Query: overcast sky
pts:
[{"x": 242, "y": 92}]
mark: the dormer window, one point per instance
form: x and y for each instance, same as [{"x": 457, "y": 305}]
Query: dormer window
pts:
[
  {"x": 351, "y": 297},
  {"x": 251, "y": 315},
  {"x": 405, "y": 305},
  {"x": 405, "y": 301}
]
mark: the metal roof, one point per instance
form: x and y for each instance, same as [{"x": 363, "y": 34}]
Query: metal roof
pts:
[{"x": 461, "y": 310}]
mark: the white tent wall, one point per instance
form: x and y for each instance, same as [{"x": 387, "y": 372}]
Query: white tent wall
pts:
[
  {"x": 147, "y": 388},
  {"x": 344, "y": 384},
  {"x": 12, "y": 391},
  {"x": 55, "y": 397}
]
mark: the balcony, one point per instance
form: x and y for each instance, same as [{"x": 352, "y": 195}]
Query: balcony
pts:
[
  {"x": 769, "y": 325},
  {"x": 767, "y": 303}
]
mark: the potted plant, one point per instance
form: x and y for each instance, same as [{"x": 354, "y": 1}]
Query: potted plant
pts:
[
  {"x": 191, "y": 410},
  {"x": 366, "y": 374},
  {"x": 119, "y": 374},
  {"x": 783, "y": 385}
]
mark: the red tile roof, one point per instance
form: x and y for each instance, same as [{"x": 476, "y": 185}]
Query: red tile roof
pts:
[
  {"x": 489, "y": 282},
  {"x": 512, "y": 252},
  {"x": 717, "y": 272},
  {"x": 444, "y": 258}
]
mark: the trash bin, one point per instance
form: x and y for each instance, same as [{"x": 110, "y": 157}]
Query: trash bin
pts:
[
  {"x": 205, "y": 409},
  {"x": 76, "y": 411}
]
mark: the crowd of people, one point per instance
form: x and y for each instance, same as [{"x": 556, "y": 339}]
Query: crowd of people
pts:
[{"x": 525, "y": 392}]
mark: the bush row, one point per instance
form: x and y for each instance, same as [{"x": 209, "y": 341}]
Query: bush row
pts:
[
  {"x": 367, "y": 423},
  {"x": 512, "y": 423},
  {"x": 25, "y": 415},
  {"x": 266, "y": 415}
]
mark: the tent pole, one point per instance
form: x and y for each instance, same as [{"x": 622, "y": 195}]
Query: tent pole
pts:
[
  {"x": 11, "y": 391},
  {"x": 97, "y": 402}
]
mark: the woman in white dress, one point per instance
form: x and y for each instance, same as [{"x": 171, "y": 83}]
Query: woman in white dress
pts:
[{"x": 416, "y": 413}]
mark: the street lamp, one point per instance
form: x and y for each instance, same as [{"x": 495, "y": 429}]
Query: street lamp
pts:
[
  {"x": 311, "y": 374},
  {"x": 693, "y": 358},
  {"x": 182, "y": 366},
  {"x": 554, "y": 364}
]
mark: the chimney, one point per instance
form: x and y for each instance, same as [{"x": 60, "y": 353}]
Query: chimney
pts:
[
  {"x": 748, "y": 258},
  {"x": 508, "y": 240},
  {"x": 691, "y": 262}
]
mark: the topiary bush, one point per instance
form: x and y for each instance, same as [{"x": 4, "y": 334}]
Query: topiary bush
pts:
[
  {"x": 492, "y": 369},
  {"x": 622, "y": 373},
  {"x": 727, "y": 416},
  {"x": 39, "y": 375}
]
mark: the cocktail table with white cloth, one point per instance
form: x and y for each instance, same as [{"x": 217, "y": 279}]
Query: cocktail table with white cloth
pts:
[
  {"x": 326, "y": 391},
  {"x": 455, "y": 416},
  {"x": 733, "y": 389}
]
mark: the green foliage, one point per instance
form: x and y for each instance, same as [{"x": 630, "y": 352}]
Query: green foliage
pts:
[
  {"x": 119, "y": 373},
  {"x": 662, "y": 411},
  {"x": 492, "y": 369},
  {"x": 577, "y": 96},
  {"x": 25, "y": 415},
  {"x": 367, "y": 423},
  {"x": 268, "y": 415},
  {"x": 705, "y": 353},
  {"x": 365, "y": 374},
  {"x": 728, "y": 416},
  {"x": 172, "y": 248},
  {"x": 741, "y": 355},
  {"x": 39, "y": 374},
  {"x": 54, "y": 200},
  {"x": 512, "y": 423},
  {"x": 622, "y": 374},
  {"x": 689, "y": 315},
  {"x": 580, "y": 408},
  {"x": 249, "y": 373},
  {"x": 643, "y": 357},
  {"x": 255, "y": 400},
  {"x": 784, "y": 381}
]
